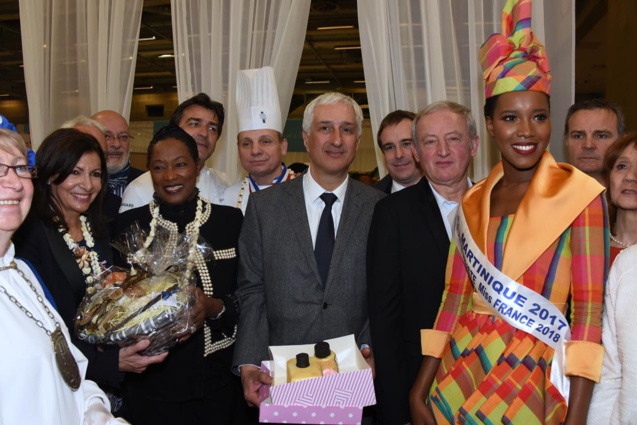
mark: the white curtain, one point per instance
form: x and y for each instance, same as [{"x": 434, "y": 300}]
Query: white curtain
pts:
[
  {"x": 79, "y": 57},
  {"x": 420, "y": 51},
  {"x": 216, "y": 38}
]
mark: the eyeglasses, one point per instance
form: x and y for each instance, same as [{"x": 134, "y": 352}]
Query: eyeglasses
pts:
[
  {"x": 123, "y": 138},
  {"x": 22, "y": 171}
]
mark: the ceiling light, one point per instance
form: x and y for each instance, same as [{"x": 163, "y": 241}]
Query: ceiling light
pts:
[
  {"x": 359, "y": 81},
  {"x": 317, "y": 81},
  {"x": 166, "y": 55},
  {"x": 147, "y": 38},
  {"x": 144, "y": 88},
  {"x": 336, "y": 27},
  {"x": 347, "y": 48},
  {"x": 5, "y": 94}
]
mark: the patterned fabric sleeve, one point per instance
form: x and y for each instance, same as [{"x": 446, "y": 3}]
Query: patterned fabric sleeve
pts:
[
  {"x": 590, "y": 258},
  {"x": 458, "y": 290}
]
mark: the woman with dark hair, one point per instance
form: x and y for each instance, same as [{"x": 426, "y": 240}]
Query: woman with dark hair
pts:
[
  {"x": 620, "y": 164},
  {"x": 194, "y": 385},
  {"x": 526, "y": 240},
  {"x": 65, "y": 241}
]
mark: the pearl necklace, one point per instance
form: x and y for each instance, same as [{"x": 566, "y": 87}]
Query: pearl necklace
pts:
[
  {"x": 88, "y": 261},
  {"x": 618, "y": 242},
  {"x": 195, "y": 259}
]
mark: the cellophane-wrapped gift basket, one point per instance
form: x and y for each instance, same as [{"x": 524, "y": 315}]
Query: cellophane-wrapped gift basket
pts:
[{"x": 152, "y": 300}]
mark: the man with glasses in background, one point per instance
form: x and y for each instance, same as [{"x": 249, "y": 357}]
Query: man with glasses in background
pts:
[{"x": 120, "y": 172}]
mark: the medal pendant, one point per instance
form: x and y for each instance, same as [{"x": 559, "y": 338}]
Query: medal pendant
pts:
[{"x": 65, "y": 361}]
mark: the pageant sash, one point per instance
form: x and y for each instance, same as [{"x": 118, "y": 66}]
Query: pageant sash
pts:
[{"x": 519, "y": 306}]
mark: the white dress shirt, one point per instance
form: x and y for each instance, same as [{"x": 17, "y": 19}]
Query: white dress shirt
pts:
[
  {"x": 446, "y": 207},
  {"x": 314, "y": 205},
  {"x": 396, "y": 187}
]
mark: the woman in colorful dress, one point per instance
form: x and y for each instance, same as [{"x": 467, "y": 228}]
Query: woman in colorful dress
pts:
[
  {"x": 527, "y": 240},
  {"x": 621, "y": 166},
  {"x": 66, "y": 242},
  {"x": 194, "y": 385},
  {"x": 41, "y": 372}
]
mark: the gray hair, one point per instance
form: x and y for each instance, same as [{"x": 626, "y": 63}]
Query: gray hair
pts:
[
  {"x": 11, "y": 141},
  {"x": 332, "y": 98},
  {"x": 447, "y": 105},
  {"x": 83, "y": 120}
]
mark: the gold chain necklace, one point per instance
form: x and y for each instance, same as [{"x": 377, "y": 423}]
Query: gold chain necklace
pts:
[{"x": 64, "y": 359}]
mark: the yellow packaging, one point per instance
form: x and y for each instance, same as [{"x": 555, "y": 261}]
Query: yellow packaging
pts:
[{"x": 303, "y": 367}]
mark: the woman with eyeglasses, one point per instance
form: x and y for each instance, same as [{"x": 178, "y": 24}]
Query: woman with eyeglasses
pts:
[
  {"x": 41, "y": 372},
  {"x": 65, "y": 240}
]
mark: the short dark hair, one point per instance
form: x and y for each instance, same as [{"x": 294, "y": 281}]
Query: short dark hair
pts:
[
  {"x": 203, "y": 100},
  {"x": 393, "y": 118},
  {"x": 56, "y": 158},
  {"x": 173, "y": 132},
  {"x": 592, "y": 104}
]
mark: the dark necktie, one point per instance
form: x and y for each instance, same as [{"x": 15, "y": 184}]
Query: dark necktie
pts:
[{"x": 325, "y": 237}]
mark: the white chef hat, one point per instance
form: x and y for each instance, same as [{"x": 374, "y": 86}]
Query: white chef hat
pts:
[{"x": 257, "y": 100}]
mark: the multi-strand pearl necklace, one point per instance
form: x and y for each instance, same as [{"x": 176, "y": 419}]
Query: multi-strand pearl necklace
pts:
[
  {"x": 195, "y": 259},
  {"x": 87, "y": 260}
]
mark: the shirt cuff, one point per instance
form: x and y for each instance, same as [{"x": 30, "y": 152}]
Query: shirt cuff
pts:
[
  {"x": 433, "y": 343},
  {"x": 584, "y": 358}
]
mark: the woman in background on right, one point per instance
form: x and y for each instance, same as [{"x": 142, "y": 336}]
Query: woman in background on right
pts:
[{"x": 620, "y": 164}]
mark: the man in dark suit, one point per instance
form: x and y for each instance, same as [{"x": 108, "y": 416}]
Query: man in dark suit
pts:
[
  {"x": 288, "y": 292},
  {"x": 407, "y": 252},
  {"x": 394, "y": 139}
]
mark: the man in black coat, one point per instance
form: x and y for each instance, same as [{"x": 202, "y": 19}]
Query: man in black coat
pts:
[
  {"x": 407, "y": 252},
  {"x": 394, "y": 139}
]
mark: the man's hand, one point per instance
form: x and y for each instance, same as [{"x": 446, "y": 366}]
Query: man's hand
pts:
[
  {"x": 131, "y": 361},
  {"x": 251, "y": 380},
  {"x": 368, "y": 354}
]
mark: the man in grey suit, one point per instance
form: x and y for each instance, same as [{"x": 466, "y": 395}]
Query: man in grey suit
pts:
[{"x": 288, "y": 292}]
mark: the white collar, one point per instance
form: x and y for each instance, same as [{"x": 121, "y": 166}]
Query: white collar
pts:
[
  {"x": 314, "y": 190},
  {"x": 441, "y": 200},
  {"x": 396, "y": 187}
]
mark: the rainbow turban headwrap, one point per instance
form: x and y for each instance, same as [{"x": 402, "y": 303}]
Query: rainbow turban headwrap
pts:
[{"x": 515, "y": 60}]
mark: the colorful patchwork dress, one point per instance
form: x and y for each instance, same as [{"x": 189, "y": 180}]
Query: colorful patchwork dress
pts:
[{"x": 557, "y": 245}]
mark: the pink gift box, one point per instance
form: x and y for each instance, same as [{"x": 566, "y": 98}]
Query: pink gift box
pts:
[{"x": 335, "y": 399}]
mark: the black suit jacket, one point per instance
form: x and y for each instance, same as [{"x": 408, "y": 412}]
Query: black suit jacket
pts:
[
  {"x": 45, "y": 249},
  {"x": 406, "y": 260},
  {"x": 384, "y": 185}
]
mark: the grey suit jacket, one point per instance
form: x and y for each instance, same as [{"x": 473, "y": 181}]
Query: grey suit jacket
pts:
[{"x": 279, "y": 288}]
